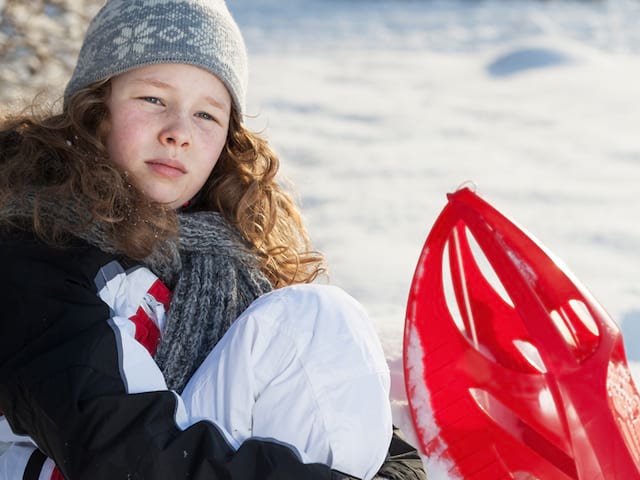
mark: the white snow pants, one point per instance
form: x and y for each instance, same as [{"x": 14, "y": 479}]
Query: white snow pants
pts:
[{"x": 303, "y": 366}]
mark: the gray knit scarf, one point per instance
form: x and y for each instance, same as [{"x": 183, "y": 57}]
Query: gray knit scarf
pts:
[
  {"x": 217, "y": 280},
  {"x": 211, "y": 270}
]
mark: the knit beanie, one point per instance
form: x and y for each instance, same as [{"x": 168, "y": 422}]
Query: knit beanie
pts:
[{"x": 126, "y": 34}]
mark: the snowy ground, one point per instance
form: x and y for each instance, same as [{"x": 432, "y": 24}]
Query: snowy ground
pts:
[{"x": 381, "y": 107}]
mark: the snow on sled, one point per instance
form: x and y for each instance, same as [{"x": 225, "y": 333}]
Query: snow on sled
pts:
[{"x": 521, "y": 369}]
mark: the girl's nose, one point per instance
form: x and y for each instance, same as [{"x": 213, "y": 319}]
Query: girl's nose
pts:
[{"x": 176, "y": 133}]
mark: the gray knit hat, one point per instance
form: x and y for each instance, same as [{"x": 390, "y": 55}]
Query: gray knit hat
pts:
[{"x": 126, "y": 34}]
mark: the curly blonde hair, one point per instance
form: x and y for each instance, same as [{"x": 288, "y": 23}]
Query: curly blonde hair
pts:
[
  {"x": 243, "y": 187},
  {"x": 62, "y": 157}
]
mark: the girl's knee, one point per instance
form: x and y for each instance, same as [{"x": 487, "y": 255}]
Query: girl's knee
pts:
[
  {"x": 320, "y": 309},
  {"x": 318, "y": 372},
  {"x": 340, "y": 365}
]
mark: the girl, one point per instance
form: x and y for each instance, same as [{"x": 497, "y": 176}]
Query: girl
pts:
[{"x": 145, "y": 188}]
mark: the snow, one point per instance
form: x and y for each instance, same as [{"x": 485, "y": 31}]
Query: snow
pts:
[{"x": 380, "y": 107}]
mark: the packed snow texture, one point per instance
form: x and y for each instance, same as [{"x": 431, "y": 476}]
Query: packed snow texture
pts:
[{"x": 378, "y": 108}]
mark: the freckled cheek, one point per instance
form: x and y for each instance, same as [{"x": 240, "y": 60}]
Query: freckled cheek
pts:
[
  {"x": 212, "y": 145},
  {"x": 126, "y": 138}
]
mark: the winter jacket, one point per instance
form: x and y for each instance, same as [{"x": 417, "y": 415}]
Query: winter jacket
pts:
[{"x": 77, "y": 377}]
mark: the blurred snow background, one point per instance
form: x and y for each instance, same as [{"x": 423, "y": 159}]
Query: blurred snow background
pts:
[{"x": 380, "y": 107}]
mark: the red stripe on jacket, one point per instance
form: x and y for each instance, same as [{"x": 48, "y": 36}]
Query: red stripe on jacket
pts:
[{"x": 147, "y": 332}]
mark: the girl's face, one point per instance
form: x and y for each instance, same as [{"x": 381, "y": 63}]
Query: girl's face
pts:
[{"x": 168, "y": 124}]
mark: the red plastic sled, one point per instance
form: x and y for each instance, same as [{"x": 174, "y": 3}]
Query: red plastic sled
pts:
[{"x": 522, "y": 370}]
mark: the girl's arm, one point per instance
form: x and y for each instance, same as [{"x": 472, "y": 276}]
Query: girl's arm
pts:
[{"x": 76, "y": 380}]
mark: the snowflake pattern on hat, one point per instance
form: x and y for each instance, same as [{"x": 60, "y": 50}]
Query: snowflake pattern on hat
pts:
[{"x": 133, "y": 39}]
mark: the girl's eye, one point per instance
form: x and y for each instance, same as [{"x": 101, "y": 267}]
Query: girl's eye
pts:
[
  {"x": 154, "y": 100},
  {"x": 206, "y": 116}
]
